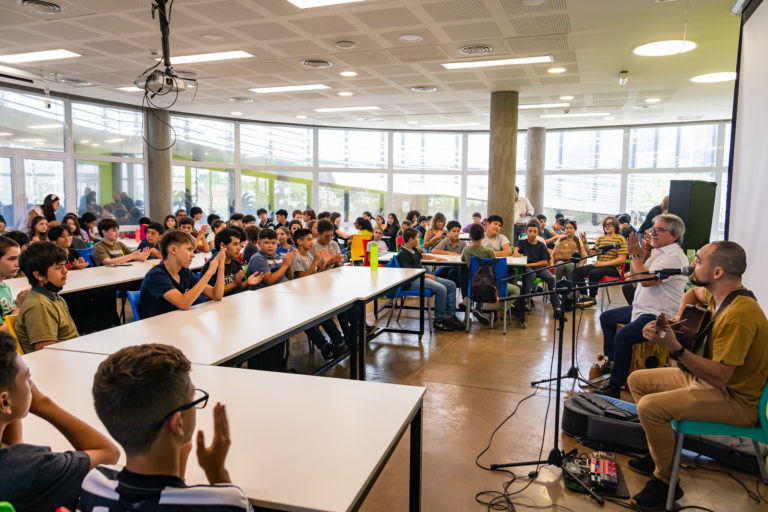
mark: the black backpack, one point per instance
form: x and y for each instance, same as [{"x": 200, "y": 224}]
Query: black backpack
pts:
[{"x": 483, "y": 287}]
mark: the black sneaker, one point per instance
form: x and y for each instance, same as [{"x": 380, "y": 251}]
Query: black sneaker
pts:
[
  {"x": 442, "y": 326},
  {"x": 327, "y": 352},
  {"x": 461, "y": 307},
  {"x": 609, "y": 390},
  {"x": 642, "y": 465},
  {"x": 454, "y": 322},
  {"x": 339, "y": 349},
  {"x": 654, "y": 495},
  {"x": 481, "y": 317},
  {"x": 606, "y": 367},
  {"x": 369, "y": 328}
]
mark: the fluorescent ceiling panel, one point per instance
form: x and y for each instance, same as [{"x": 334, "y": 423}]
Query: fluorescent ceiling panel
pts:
[
  {"x": 16, "y": 58},
  {"x": 289, "y": 88},
  {"x": 308, "y": 4},
  {"x": 345, "y": 109},
  {"x": 497, "y": 62},
  {"x": 210, "y": 57}
]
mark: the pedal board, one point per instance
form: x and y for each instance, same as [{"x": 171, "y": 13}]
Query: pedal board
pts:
[{"x": 603, "y": 472}]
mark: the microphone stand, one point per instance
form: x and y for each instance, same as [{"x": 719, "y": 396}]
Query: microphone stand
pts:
[{"x": 556, "y": 456}]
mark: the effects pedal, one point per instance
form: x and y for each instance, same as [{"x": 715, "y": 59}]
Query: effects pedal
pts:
[{"x": 603, "y": 472}]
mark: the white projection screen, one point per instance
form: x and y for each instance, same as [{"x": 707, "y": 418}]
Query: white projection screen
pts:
[{"x": 748, "y": 174}]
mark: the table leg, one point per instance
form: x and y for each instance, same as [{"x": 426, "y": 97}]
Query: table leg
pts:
[
  {"x": 361, "y": 337},
  {"x": 376, "y": 308},
  {"x": 354, "y": 343},
  {"x": 414, "y": 493},
  {"x": 421, "y": 306}
]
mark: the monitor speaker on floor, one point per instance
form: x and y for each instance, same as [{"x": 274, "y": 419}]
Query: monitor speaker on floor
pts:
[{"x": 694, "y": 202}]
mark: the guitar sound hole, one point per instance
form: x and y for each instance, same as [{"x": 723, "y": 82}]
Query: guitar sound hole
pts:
[{"x": 652, "y": 362}]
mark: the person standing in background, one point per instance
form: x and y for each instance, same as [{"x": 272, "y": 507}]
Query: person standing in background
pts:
[{"x": 523, "y": 212}]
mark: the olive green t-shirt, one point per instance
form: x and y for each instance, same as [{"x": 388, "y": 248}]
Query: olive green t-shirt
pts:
[
  {"x": 478, "y": 251},
  {"x": 102, "y": 251},
  {"x": 739, "y": 337},
  {"x": 44, "y": 316}
]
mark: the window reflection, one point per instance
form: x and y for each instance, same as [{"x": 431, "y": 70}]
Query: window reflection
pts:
[
  {"x": 31, "y": 122},
  {"x": 110, "y": 190}
]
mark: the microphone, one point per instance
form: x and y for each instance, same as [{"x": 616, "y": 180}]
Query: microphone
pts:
[
  {"x": 665, "y": 272},
  {"x": 604, "y": 249}
]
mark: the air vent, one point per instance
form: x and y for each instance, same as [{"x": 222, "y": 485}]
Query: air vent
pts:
[
  {"x": 187, "y": 75},
  {"x": 424, "y": 88},
  {"x": 76, "y": 82},
  {"x": 476, "y": 49},
  {"x": 316, "y": 63},
  {"x": 241, "y": 99},
  {"x": 41, "y": 6}
]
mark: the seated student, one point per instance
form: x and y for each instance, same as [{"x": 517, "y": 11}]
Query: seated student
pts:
[
  {"x": 284, "y": 240},
  {"x": 559, "y": 226},
  {"x": 479, "y": 251},
  {"x": 494, "y": 239},
  {"x": 171, "y": 222},
  {"x": 188, "y": 226},
  {"x": 61, "y": 236},
  {"x": 212, "y": 217},
  {"x": 264, "y": 220},
  {"x": 436, "y": 232},
  {"x": 444, "y": 290},
  {"x": 381, "y": 246},
  {"x": 625, "y": 226},
  {"x": 2, "y": 224},
  {"x": 567, "y": 246},
  {"x": 171, "y": 285},
  {"x": 156, "y": 429},
  {"x": 181, "y": 212},
  {"x": 612, "y": 254},
  {"x": 281, "y": 218},
  {"x": 252, "y": 243},
  {"x": 109, "y": 251},
  {"x": 249, "y": 220},
  {"x": 405, "y": 225},
  {"x": 44, "y": 317},
  {"x": 364, "y": 227},
  {"x": 71, "y": 223},
  {"x": 298, "y": 215},
  {"x": 338, "y": 233},
  {"x": 196, "y": 213},
  {"x": 34, "y": 478},
  {"x": 450, "y": 246},
  {"x": 19, "y": 237},
  {"x": 237, "y": 219},
  {"x": 544, "y": 234},
  {"x": 308, "y": 262},
  {"x": 38, "y": 230},
  {"x": 154, "y": 232},
  {"x": 422, "y": 225},
  {"x": 308, "y": 215},
  {"x": 275, "y": 268},
  {"x": 538, "y": 257},
  {"x": 228, "y": 240},
  {"x": 477, "y": 218},
  {"x": 9, "y": 266}
]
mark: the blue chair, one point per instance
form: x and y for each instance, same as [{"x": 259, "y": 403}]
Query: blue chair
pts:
[
  {"x": 758, "y": 434},
  {"x": 500, "y": 269},
  {"x": 86, "y": 255},
  {"x": 133, "y": 300},
  {"x": 403, "y": 294}
]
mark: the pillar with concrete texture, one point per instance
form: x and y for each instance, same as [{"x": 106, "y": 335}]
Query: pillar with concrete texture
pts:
[
  {"x": 534, "y": 175},
  {"x": 503, "y": 157},
  {"x": 158, "y": 132}
]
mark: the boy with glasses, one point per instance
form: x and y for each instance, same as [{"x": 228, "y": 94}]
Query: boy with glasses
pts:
[
  {"x": 155, "y": 430},
  {"x": 611, "y": 249}
]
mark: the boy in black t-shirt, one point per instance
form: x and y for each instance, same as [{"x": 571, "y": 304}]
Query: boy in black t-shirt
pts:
[
  {"x": 33, "y": 477},
  {"x": 538, "y": 256},
  {"x": 228, "y": 241},
  {"x": 154, "y": 232}
]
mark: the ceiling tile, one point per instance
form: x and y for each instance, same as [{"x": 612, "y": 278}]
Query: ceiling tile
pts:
[
  {"x": 472, "y": 31},
  {"x": 366, "y": 59},
  {"x": 324, "y": 25},
  {"x": 267, "y": 31},
  {"x": 396, "y": 70},
  {"x": 392, "y": 37},
  {"x": 538, "y": 44},
  {"x": 557, "y": 80},
  {"x": 539, "y": 25},
  {"x": 303, "y": 47},
  {"x": 386, "y": 18},
  {"x": 514, "y": 7},
  {"x": 509, "y": 85},
  {"x": 116, "y": 47},
  {"x": 418, "y": 53},
  {"x": 362, "y": 42},
  {"x": 113, "y": 24},
  {"x": 224, "y": 11},
  {"x": 495, "y": 74},
  {"x": 13, "y": 17},
  {"x": 468, "y": 86},
  {"x": 457, "y": 10}
]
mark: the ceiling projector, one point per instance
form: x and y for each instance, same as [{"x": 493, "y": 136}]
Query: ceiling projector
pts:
[{"x": 161, "y": 82}]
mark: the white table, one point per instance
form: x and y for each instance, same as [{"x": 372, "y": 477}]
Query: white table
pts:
[
  {"x": 298, "y": 442},
  {"x": 455, "y": 259}
]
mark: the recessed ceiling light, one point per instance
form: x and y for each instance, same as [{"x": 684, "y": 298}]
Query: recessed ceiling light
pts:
[
  {"x": 496, "y": 62},
  {"x": 661, "y": 48},
  {"x": 448, "y": 125},
  {"x": 410, "y": 38},
  {"x": 413, "y": 122},
  {"x": 653, "y": 100},
  {"x": 208, "y": 57},
  {"x": 707, "y": 78},
  {"x": 212, "y": 37},
  {"x": 556, "y": 70},
  {"x": 566, "y": 98},
  {"x": 5, "y": 134},
  {"x": 345, "y": 45},
  {"x": 578, "y": 114},
  {"x": 130, "y": 89},
  {"x": 424, "y": 88},
  {"x": 289, "y": 88},
  {"x": 240, "y": 99},
  {"x": 235, "y": 113},
  {"x": 44, "y": 126},
  {"x": 543, "y": 105},
  {"x": 308, "y": 4},
  {"x": 85, "y": 141},
  {"x": 29, "y": 140},
  {"x": 38, "y": 56},
  {"x": 301, "y": 117},
  {"x": 609, "y": 118},
  {"x": 345, "y": 109},
  {"x": 345, "y": 93},
  {"x": 348, "y": 73}
]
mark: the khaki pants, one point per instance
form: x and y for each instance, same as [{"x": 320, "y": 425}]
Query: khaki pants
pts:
[{"x": 665, "y": 394}]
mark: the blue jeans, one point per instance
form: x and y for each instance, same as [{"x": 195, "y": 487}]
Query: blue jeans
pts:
[
  {"x": 444, "y": 291},
  {"x": 617, "y": 344},
  {"x": 449, "y": 272},
  {"x": 545, "y": 276}
]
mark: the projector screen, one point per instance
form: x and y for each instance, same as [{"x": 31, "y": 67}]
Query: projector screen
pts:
[{"x": 748, "y": 173}]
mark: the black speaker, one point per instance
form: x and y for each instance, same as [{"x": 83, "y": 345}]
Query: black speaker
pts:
[{"x": 694, "y": 202}]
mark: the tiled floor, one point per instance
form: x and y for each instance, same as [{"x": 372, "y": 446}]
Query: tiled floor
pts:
[{"x": 474, "y": 380}]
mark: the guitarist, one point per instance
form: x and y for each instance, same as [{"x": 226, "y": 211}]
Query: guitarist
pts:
[
  {"x": 651, "y": 297},
  {"x": 722, "y": 386}
]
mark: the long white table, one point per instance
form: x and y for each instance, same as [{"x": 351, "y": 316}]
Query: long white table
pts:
[
  {"x": 103, "y": 276},
  {"x": 454, "y": 259},
  {"x": 298, "y": 443}
]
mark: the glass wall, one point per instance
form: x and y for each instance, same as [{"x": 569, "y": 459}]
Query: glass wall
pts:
[
  {"x": 99, "y": 130},
  {"x": 210, "y": 189},
  {"x": 352, "y": 193},
  {"x": 110, "y": 189},
  {"x": 673, "y": 146},
  {"x": 427, "y": 193},
  {"x": 203, "y": 140},
  {"x": 6, "y": 192},
  {"x": 644, "y": 191},
  {"x": 586, "y": 198},
  {"x": 352, "y": 148},
  {"x": 274, "y": 190},
  {"x": 275, "y": 145},
  {"x": 44, "y": 177},
  {"x": 413, "y": 150},
  {"x": 584, "y": 149},
  {"x": 30, "y": 121}
]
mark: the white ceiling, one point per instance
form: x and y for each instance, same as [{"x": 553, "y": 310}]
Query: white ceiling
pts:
[{"x": 592, "y": 39}]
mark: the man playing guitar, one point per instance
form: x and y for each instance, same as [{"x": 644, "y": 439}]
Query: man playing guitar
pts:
[{"x": 724, "y": 385}]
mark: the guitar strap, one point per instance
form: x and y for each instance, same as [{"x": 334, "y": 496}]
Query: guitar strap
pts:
[{"x": 741, "y": 292}]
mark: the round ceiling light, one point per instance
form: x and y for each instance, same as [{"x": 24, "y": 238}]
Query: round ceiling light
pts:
[
  {"x": 709, "y": 78},
  {"x": 662, "y": 48},
  {"x": 424, "y": 88},
  {"x": 476, "y": 49},
  {"x": 348, "y": 73},
  {"x": 556, "y": 70},
  {"x": 566, "y": 98},
  {"x": 413, "y": 122},
  {"x": 316, "y": 63},
  {"x": 235, "y": 113},
  {"x": 75, "y": 82},
  {"x": 345, "y": 93},
  {"x": 301, "y": 117},
  {"x": 345, "y": 45},
  {"x": 410, "y": 38},
  {"x": 653, "y": 100},
  {"x": 41, "y": 6}
]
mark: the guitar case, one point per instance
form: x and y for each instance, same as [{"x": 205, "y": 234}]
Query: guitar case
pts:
[{"x": 609, "y": 424}]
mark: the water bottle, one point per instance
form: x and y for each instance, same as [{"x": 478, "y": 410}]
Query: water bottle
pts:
[{"x": 373, "y": 259}]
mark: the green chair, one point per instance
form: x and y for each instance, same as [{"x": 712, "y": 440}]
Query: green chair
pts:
[
  {"x": 705, "y": 428},
  {"x": 6, "y": 507}
]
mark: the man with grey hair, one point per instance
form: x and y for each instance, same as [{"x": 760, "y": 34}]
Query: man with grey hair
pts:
[{"x": 651, "y": 297}]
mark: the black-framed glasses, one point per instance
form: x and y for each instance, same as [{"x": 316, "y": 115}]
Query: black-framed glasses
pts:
[
  {"x": 658, "y": 230},
  {"x": 200, "y": 401}
]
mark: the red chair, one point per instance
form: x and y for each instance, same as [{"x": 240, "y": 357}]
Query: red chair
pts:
[{"x": 608, "y": 279}]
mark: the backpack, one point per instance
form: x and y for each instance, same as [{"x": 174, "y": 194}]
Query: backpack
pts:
[{"x": 483, "y": 287}]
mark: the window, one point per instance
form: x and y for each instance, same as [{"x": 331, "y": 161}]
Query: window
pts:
[
  {"x": 352, "y": 193},
  {"x": 673, "y": 146},
  {"x": 43, "y": 177},
  {"x": 351, "y": 148},
  {"x": 477, "y": 195},
  {"x": 644, "y": 191},
  {"x": 584, "y": 149},
  {"x": 31, "y": 122},
  {"x": 427, "y": 193},
  {"x": 110, "y": 188},
  {"x": 274, "y": 190},
  {"x": 586, "y": 198},
  {"x": 413, "y": 150},
  {"x": 110, "y": 131},
  {"x": 275, "y": 145},
  {"x": 210, "y": 189},
  {"x": 727, "y": 146},
  {"x": 203, "y": 140},
  {"x": 478, "y": 148},
  {"x": 6, "y": 192}
]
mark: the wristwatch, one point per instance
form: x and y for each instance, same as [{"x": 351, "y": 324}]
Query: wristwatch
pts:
[{"x": 677, "y": 353}]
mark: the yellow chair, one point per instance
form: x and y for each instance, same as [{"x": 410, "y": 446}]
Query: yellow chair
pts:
[{"x": 10, "y": 321}]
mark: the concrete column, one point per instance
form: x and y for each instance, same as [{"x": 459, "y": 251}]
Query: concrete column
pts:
[
  {"x": 159, "y": 191},
  {"x": 503, "y": 155},
  {"x": 534, "y": 184}
]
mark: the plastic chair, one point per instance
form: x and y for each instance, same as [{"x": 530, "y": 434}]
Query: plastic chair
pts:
[
  {"x": 403, "y": 294},
  {"x": 706, "y": 428},
  {"x": 10, "y": 321},
  {"x": 86, "y": 255},
  {"x": 6, "y": 507},
  {"x": 500, "y": 269},
  {"x": 133, "y": 300},
  {"x": 608, "y": 279}
]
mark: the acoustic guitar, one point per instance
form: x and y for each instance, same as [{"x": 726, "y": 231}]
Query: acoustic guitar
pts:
[{"x": 691, "y": 329}]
